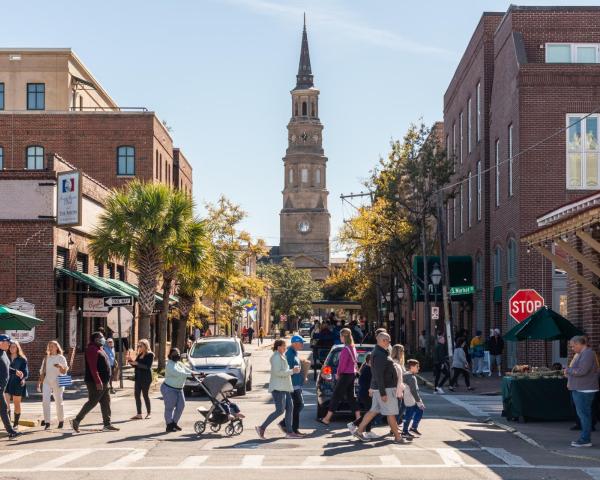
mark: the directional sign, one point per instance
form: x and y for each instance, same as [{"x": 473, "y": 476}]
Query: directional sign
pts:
[
  {"x": 464, "y": 290},
  {"x": 524, "y": 303},
  {"x": 117, "y": 301}
]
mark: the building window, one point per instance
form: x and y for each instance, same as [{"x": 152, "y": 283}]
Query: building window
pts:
[
  {"x": 304, "y": 109},
  {"x": 62, "y": 257},
  {"x": 1, "y": 96},
  {"x": 448, "y": 220},
  {"x": 126, "y": 160},
  {"x": 478, "y": 274},
  {"x": 454, "y": 217},
  {"x": 82, "y": 263},
  {"x": 111, "y": 270},
  {"x": 461, "y": 139},
  {"x": 461, "y": 208},
  {"x": 454, "y": 147},
  {"x": 291, "y": 176},
  {"x": 469, "y": 200},
  {"x": 35, "y": 157},
  {"x": 511, "y": 260},
  {"x": 478, "y": 106},
  {"x": 156, "y": 164},
  {"x": 295, "y": 109},
  {"x": 479, "y": 183},
  {"x": 498, "y": 266},
  {"x": 313, "y": 110},
  {"x": 304, "y": 175},
  {"x": 582, "y": 152},
  {"x": 1, "y": 158},
  {"x": 510, "y": 160},
  {"x": 572, "y": 53},
  {"x": 36, "y": 93},
  {"x": 318, "y": 176},
  {"x": 469, "y": 148},
  {"x": 160, "y": 167},
  {"x": 497, "y": 155},
  {"x": 99, "y": 270},
  {"x": 121, "y": 273}
]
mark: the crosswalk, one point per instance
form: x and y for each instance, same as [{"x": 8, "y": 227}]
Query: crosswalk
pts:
[
  {"x": 15, "y": 460},
  {"x": 478, "y": 405}
]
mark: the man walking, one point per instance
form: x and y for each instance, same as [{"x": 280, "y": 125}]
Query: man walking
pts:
[
  {"x": 440, "y": 365},
  {"x": 4, "y": 374},
  {"x": 496, "y": 347},
  {"x": 293, "y": 359},
  {"x": 384, "y": 384},
  {"x": 250, "y": 334},
  {"x": 97, "y": 377}
]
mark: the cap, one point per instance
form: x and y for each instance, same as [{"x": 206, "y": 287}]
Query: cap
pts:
[
  {"x": 4, "y": 338},
  {"x": 297, "y": 339}
]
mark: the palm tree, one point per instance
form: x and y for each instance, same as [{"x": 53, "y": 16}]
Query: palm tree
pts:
[{"x": 134, "y": 227}]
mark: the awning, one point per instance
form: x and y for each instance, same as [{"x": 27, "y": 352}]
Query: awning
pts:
[
  {"x": 460, "y": 273},
  {"x": 97, "y": 283},
  {"x": 336, "y": 304},
  {"x": 134, "y": 291}
]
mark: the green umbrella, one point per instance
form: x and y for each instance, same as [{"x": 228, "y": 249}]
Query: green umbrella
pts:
[
  {"x": 511, "y": 335},
  {"x": 14, "y": 320},
  {"x": 545, "y": 324}
]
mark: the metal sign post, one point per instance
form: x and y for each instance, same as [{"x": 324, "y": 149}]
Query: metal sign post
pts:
[{"x": 118, "y": 302}]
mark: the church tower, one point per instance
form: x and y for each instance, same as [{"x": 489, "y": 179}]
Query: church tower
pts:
[{"x": 304, "y": 219}]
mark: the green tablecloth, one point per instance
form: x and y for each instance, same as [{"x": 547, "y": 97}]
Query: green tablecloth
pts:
[{"x": 536, "y": 399}]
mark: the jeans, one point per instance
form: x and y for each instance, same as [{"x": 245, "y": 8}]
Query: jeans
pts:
[
  {"x": 4, "y": 413},
  {"x": 583, "y": 406},
  {"x": 413, "y": 413},
  {"x": 298, "y": 402},
  {"x": 401, "y": 411},
  {"x": 49, "y": 391},
  {"x": 95, "y": 397},
  {"x": 477, "y": 365},
  {"x": 283, "y": 403},
  {"x": 174, "y": 403},
  {"x": 141, "y": 388}
]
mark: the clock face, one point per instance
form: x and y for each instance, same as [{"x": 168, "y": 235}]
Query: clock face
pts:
[{"x": 304, "y": 226}]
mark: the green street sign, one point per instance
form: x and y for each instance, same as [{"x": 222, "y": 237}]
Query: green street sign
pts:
[{"x": 464, "y": 290}]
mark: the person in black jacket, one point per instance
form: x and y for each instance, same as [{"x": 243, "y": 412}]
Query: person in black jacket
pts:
[
  {"x": 496, "y": 348},
  {"x": 440, "y": 364},
  {"x": 16, "y": 389},
  {"x": 97, "y": 378},
  {"x": 143, "y": 377},
  {"x": 4, "y": 376}
]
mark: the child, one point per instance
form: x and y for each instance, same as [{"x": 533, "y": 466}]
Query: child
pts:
[
  {"x": 232, "y": 410},
  {"x": 412, "y": 400}
]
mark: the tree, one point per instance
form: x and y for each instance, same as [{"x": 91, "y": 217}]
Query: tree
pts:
[{"x": 292, "y": 290}]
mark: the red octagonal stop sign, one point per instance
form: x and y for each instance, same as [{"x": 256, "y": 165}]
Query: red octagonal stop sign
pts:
[{"x": 524, "y": 303}]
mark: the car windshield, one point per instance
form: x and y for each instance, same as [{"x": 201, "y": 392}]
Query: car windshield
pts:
[
  {"x": 334, "y": 356},
  {"x": 214, "y": 349}
]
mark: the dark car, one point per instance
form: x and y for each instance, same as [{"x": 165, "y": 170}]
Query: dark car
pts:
[{"x": 327, "y": 378}]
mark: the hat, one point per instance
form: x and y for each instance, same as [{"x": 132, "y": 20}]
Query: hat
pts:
[
  {"x": 497, "y": 331},
  {"x": 297, "y": 339},
  {"x": 4, "y": 338}
]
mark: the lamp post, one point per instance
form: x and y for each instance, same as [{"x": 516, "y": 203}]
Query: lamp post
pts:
[
  {"x": 400, "y": 295},
  {"x": 436, "y": 278}
]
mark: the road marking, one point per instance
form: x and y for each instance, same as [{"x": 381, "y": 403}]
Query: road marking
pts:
[
  {"x": 63, "y": 459},
  {"x": 450, "y": 457},
  {"x": 193, "y": 461},
  {"x": 505, "y": 456},
  {"x": 472, "y": 409},
  {"x": 593, "y": 472},
  {"x": 127, "y": 460},
  {"x": 14, "y": 456},
  {"x": 252, "y": 460},
  {"x": 389, "y": 460},
  {"x": 313, "y": 460}
]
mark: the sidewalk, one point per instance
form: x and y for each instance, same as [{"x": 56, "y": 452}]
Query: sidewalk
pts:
[{"x": 482, "y": 385}]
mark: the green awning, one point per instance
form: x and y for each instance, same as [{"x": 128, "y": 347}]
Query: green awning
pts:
[
  {"x": 498, "y": 294},
  {"x": 460, "y": 269},
  {"x": 134, "y": 291},
  {"x": 97, "y": 283}
]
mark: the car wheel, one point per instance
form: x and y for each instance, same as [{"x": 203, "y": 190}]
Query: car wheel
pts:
[
  {"x": 241, "y": 391},
  {"x": 249, "y": 384}
]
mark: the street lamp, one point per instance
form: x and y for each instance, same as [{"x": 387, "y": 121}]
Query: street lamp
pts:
[
  {"x": 400, "y": 293},
  {"x": 388, "y": 297},
  {"x": 436, "y": 277}
]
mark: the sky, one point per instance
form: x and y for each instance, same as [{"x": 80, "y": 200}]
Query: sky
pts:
[{"x": 219, "y": 72}]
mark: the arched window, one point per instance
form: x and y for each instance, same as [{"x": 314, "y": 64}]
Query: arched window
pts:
[
  {"x": 304, "y": 108},
  {"x": 511, "y": 260},
  {"x": 304, "y": 175},
  {"x": 291, "y": 177},
  {"x": 313, "y": 111},
  {"x": 126, "y": 160},
  {"x": 296, "y": 109},
  {"x": 498, "y": 266},
  {"x": 35, "y": 157},
  {"x": 156, "y": 161},
  {"x": 318, "y": 176},
  {"x": 1, "y": 158}
]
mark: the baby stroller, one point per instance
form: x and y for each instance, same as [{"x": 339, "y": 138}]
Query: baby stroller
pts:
[{"x": 218, "y": 387}]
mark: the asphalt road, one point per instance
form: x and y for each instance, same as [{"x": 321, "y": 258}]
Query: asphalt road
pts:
[{"x": 454, "y": 446}]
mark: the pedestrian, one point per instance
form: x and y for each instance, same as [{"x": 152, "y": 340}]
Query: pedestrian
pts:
[
  {"x": 171, "y": 389},
  {"x": 19, "y": 372},
  {"x": 384, "y": 386},
  {"x": 345, "y": 375},
  {"x": 364, "y": 399},
  {"x": 423, "y": 341},
  {"x": 142, "y": 377},
  {"x": 97, "y": 376},
  {"x": 460, "y": 365},
  {"x": 293, "y": 360},
  {"x": 250, "y": 334},
  {"x": 188, "y": 345},
  {"x": 261, "y": 335},
  {"x": 582, "y": 381},
  {"x": 412, "y": 400},
  {"x": 4, "y": 376},
  {"x": 440, "y": 365},
  {"x": 244, "y": 334},
  {"x": 496, "y": 348},
  {"x": 477, "y": 353},
  {"x": 109, "y": 348},
  {"x": 398, "y": 356},
  {"x": 280, "y": 387},
  {"x": 53, "y": 365}
]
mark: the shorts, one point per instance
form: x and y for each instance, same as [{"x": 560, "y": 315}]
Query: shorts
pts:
[
  {"x": 385, "y": 408},
  {"x": 497, "y": 359}
]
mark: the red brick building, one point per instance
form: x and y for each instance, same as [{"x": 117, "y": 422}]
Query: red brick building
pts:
[{"x": 525, "y": 76}]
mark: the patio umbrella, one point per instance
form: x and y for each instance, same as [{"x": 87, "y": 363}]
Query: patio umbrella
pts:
[
  {"x": 544, "y": 324},
  {"x": 14, "y": 320}
]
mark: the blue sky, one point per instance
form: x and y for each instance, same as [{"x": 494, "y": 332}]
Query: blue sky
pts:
[{"x": 220, "y": 71}]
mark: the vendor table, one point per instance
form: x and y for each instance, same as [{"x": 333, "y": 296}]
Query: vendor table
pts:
[{"x": 536, "y": 399}]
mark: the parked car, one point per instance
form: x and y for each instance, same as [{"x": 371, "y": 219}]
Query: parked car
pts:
[
  {"x": 304, "y": 329},
  {"x": 220, "y": 355},
  {"x": 327, "y": 378}
]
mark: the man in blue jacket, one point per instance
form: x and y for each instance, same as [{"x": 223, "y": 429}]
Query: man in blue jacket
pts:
[
  {"x": 4, "y": 374},
  {"x": 293, "y": 359}
]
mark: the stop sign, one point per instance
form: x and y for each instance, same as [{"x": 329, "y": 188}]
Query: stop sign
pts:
[{"x": 524, "y": 303}]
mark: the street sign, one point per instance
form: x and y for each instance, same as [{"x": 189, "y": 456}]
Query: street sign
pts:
[
  {"x": 112, "y": 321},
  {"x": 435, "y": 313},
  {"x": 463, "y": 290},
  {"x": 117, "y": 301},
  {"x": 524, "y": 303}
]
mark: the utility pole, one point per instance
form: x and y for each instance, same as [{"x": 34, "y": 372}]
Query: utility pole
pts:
[
  {"x": 445, "y": 273},
  {"x": 426, "y": 308}
]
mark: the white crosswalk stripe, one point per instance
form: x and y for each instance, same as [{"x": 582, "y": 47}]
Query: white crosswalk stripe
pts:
[
  {"x": 9, "y": 458},
  {"x": 507, "y": 457},
  {"x": 389, "y": 460},
  {"x": 127, "y": 460},
  {"x": 252, "y": 460},
  {"x": 450, "y": 456},
  {"x": 63, "y": 459},
  {"x": 477, "y": 405},
  {"x": 313, "y": 460},
  {"x": 193, "y": 461}
]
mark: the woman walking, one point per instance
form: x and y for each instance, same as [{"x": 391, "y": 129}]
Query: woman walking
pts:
[
  {"x": 460, "y": 365},
  {"x": 280, "y": 386},
  {"x": 142, "y": 377},
  {"x": 19, "y": 371},
  {"x": 172, "y": 390},
  {"x": 398, "y": 357},
  {"x": 53, "y": 365},
  {"x": 346, "y": 374}
]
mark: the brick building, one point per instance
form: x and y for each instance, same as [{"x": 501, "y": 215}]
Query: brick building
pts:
[{"x": 525, "y": 76}]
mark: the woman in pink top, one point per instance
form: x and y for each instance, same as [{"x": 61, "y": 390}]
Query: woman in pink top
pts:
[{"x": 346, "y": 374}]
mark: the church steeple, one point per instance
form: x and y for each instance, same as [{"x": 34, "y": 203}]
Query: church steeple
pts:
[{"x": 304, "y": 79}]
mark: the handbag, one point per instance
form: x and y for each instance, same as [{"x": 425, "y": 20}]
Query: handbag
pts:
[{"x": 65, "y": 380}]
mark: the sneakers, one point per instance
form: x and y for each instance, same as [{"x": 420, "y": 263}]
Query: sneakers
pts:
[
  {"x": 110, "y": 428},
  {"x": 260, "y": 432},
  {"x": 293, "y": 435},
  {"x": 470, "y": 389},
  {"x": 60, "y": 425},
  {"x": 579, "y": 443},
  {"x": 400, "y": 440},
  {"x": 371, "y": 435},
  {"x": 415, "y": 431},
  {"x": 451, "y": 389},
  {"x": 75, "y": 425},
  {"x": 408, "y": 436},
  {"x": 439, "y": 390},
  {"x": 14, "y": 435},
  {"x": 352, "y": 428},
  {"x": 361, "y": 436},
  {"x": 177, "y": 428},
  {"x": 282, "y": 428}
]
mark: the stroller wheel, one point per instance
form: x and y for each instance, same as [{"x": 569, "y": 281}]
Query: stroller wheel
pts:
[
  {"x": 229, "y": 430},
  {"x": 238, "y": 427},
  {"x": 199, "y": 427},
  {"x": 215, "y": 427}
]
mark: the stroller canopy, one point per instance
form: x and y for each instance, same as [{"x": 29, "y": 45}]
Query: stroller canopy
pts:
[{"x": 219, "y": 382}]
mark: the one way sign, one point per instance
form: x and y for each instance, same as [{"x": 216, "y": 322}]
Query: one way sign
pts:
[{"x": 117, "y": 301}]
